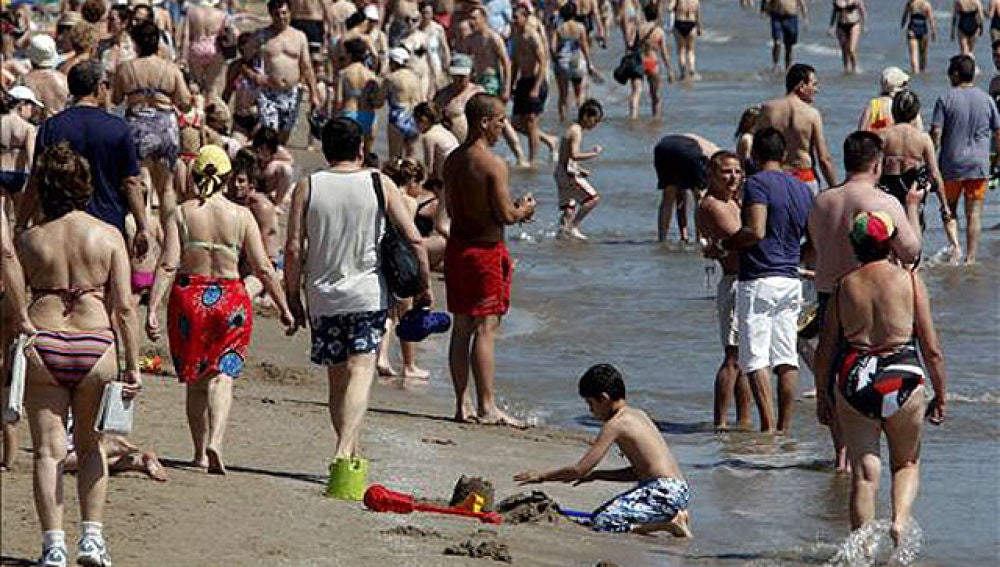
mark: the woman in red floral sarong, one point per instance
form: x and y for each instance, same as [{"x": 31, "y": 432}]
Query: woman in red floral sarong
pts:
[{"x": 209, "y": 315}]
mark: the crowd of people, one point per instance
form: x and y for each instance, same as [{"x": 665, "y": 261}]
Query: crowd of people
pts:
[{"x": 143, "y": 156}]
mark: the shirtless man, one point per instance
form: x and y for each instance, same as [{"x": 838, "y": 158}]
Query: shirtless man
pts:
[
  {"x": 478, "y": 267},
  {"x": 681, "y": 162},
  {"x": 491, "y": 69},
  {"x": 802, "y": 126},
  {"x": 718, "y": 217},
  {"x": 398, "y": 14},
  {"x": 784, "y": 27},
  {"x": 830, "y": 222},
  {"x": 528, "y": 71},
  {"x": 653, "y": 43},
  {"x": 197, "y": 46},
  {"x": 48, "y": 84},
  {"x": 402, "y": 91},
  {"x": 588, "y": 14},
  {"x": 687, "y": 24},
  {"x": 285, "y": 57},
  {"x": 453, "y": 97},
  {"x": 313, "y": 18}
]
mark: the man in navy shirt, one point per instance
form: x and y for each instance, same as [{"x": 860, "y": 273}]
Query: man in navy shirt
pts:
[
  {"x": 768, "y": 291},
  {"x": 106, "y": 142}
]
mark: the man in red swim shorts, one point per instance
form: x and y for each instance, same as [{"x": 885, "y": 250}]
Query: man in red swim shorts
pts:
[{"x": 477, "y": 266}]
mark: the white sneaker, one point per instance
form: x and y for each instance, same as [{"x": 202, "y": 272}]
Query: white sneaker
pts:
[
  {"x": 54, "y": 556},
  {"x": 92, "y": 552}
]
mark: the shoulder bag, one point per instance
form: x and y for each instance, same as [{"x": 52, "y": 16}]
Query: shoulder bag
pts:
[{"x": 397, "y": 261}]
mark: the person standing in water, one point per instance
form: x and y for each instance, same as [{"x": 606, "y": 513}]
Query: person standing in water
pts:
[
  {"x": 784, "y": 27},
  {"x": 848, "y": 20},
  {"x": 919, "y": 22},
  {"x": 577, "y": 197},
  {"x": 870, "y": 376},
  {"x": 687, "y": 24},
  {"x": 478, "y": 268},
  {"x": 967, "y": 20},
  {"x": 801, "y": 125}
]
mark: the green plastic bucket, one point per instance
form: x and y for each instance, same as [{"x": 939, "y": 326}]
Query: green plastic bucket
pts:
[{"x": 348, "y": 479}]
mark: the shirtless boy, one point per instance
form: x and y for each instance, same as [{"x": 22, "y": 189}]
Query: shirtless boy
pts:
[
  {"x": 802, "y": 127},
  {"x": 478, "y": 268},
  {"x": 577, "y": 197},
  {"x": 659, "y": 502},
  {"x": 718, "y": 217}
]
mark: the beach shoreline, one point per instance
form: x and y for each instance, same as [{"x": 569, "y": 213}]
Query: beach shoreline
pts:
[{"x": 271, "y": 509}]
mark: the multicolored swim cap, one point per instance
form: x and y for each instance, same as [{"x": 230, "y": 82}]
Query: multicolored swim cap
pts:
[
  {"x": 872, "y": 227},
  {"x": 209, "y": 167}
]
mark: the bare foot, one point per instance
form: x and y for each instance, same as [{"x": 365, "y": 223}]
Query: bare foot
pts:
[
  {"x": 575, "y": 234},
  {"x": 896, "y": 533},
  {"x": 387, "y": 370},
  {"x": 499, "y": 417},
  {"x": 199, "y": 462},
  {"x": 215, "y": 464},
  {"x": 153, "y": 467},
  {"x": 416, "y": 373},
  {"x": 680, "y": 526},
  {"x": 523, "y": 164},
  {"x": 4, "y": 468}
]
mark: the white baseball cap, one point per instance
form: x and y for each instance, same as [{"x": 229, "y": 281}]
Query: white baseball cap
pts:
[
  {"x": 371, "y": 13},
  {"x": 25, "y": 94},
  {"x": 42, "y": 51}
]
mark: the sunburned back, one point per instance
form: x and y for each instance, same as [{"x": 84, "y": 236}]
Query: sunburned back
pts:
[
  {"x": 211, "y": 236},
  {"x": 67, "y": 263},
  {"x": 875, "y": 305},
  {"x": 642, "y": 444},
  {"x": 903, "y": 146},
  {"x": 404, "y": 88},
  {"x": 468, "y": 173},
  {"x": 51, "y": 88}
]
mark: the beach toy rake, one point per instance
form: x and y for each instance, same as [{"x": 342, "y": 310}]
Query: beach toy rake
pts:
[{"x": 381, "y": 499}]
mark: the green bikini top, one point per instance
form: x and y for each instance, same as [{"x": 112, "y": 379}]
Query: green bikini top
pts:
[{"x": 231, "y": 249}]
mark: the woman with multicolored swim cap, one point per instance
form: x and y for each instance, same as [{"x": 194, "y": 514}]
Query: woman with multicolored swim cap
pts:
[
  {"x": 210, "y": 315},
  {"x": 870, "y": 373}
]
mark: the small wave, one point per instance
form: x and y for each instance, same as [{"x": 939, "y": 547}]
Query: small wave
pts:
[
  {"x": 820, "y": 49},
  {"x": 984, "y": 398},
  {"x": 871, "y": 545},
  {"x": 710, "y": 36}
]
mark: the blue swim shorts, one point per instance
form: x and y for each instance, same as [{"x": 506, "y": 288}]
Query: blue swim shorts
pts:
[
  {"x": 654, "y": 501},
  {"x": 335, "y": 337}
]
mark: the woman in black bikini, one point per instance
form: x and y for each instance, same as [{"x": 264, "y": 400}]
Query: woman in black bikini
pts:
[
  {"x": 967, "y": 18},
  {"x": 848, "y": 19},
  {"x": 918, "y": 20}
]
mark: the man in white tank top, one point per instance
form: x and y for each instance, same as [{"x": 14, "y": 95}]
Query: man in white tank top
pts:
[{"x": 337, "y": 213}]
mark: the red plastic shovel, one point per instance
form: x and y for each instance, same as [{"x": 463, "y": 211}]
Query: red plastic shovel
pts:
[{"x": 381, "y": 499}]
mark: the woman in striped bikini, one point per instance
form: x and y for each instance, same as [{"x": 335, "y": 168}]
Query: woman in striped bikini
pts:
[{"x": 78, "y": 270}]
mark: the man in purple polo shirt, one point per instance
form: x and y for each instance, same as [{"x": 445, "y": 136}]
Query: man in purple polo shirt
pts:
[{"x": 768, "y": 290}]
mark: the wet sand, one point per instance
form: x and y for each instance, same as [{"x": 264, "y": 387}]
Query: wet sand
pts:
[{"x": 270, "y": 509}]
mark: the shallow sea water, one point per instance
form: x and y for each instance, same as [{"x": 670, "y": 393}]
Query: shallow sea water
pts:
[{"x": 648, "y": 308}]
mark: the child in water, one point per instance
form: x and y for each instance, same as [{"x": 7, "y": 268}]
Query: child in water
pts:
[
  {"x": 659, "y": 502},
  {"x": 577, "y": 197}
]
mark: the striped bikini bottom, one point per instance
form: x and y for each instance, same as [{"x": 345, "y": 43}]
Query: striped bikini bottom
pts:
[{"x": 70, "y": 356}]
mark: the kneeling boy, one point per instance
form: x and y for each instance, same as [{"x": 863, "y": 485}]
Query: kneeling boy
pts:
[{"x": 660, "y": 499}]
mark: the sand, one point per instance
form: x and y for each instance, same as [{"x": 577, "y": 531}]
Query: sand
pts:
[{"x": 270, "y": 509}]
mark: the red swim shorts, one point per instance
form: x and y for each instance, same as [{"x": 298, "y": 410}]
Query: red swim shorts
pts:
[
  {"x": 477, "y": 278},
  {"x": 974, "y": 189}
]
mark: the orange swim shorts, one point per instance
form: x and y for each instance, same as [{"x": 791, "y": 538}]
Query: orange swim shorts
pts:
[
  {"x": 477, "y": 278},
  {"x": 974, "y": 189}
]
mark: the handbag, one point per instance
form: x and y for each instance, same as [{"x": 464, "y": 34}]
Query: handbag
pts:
[
  {"x": 397, "y": 262},
  {"x": 114, "y": 415},
  {"x": 630, "y": 65},
  {"x": 13, "y": 409}
]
